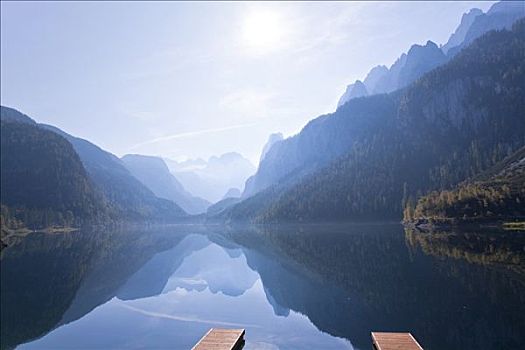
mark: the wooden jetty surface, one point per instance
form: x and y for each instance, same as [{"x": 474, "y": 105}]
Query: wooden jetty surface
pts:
[
  {"x": 395, "y": 341},
  {"x": 221, "y": 339}
]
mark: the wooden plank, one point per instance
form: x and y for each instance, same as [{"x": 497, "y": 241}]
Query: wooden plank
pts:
[
  {"x": 221, "y": 339},
  {"x": 395, "y": 341}
]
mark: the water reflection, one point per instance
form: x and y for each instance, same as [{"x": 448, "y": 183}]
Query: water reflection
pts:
[{"x": 291, "y": 287}]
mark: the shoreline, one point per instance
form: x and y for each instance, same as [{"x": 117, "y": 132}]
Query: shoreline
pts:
[{"x": 430, "y": 225}]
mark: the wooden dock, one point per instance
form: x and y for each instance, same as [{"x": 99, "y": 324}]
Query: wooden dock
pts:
[
  {"x": 395, "y": 341},
  {"x": 221, "y": 339}
]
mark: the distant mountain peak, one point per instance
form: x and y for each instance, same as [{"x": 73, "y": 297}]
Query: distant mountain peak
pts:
[
  {"x": 228, "y": 156},
  {"x": 472, "y": 12},
  {"x": 355, "y": 90},
  {"x": 232, "y": 193},
  {"x": 359, "y": 89},
  {"x": 272, "y": 139},
  {"x": 400, "y": 61},
  {"x": 408, "y": 67},
  {"x": 459, "y": 34},
  {"x": 420, "y": 59},
  {"x": 507, "y": 7},
  {"x": 145, "y": 161},
  {"x": 501, "y": 15},
  {"x": 211, "y": 179},
  {"x": 418, "y": 49},
  {"x": 374, "y": 76}
]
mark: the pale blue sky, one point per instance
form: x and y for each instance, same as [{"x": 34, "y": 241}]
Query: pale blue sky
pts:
[{"x": 194, "y": 79}]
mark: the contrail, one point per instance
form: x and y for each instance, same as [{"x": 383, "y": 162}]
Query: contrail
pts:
[
  {"x": 190, "y": 134},
  {"x": 182, "y": 318}
]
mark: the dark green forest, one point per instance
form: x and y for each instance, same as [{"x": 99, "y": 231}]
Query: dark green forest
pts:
[{"x": 496, "y": 195}]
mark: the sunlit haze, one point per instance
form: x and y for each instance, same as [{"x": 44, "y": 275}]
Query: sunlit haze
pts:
[
  {"x": 196, "y": 79},
  {"x": 263, "y": 29}
]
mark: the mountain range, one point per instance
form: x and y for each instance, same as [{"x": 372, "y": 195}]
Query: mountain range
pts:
[
  {"x": 422, "y": 59},
  {"x": 409, "y": 67},
  {"x": 154, "y": 173},
  {"x": 214, "y": 178},
  {"x": 401, "y": 140},
  {"x": 367, "y": 159},
  {"x": 91, "y": 172},
  {"x": 53, "y": 179}
]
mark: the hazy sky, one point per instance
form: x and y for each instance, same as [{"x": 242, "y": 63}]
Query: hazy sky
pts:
[{"x": 196, "y": 79}]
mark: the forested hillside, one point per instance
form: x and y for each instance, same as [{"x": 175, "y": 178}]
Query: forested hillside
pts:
[
  {"x": 496, "y": 195},
  {"x": 123, "y": 196},
  {"x": 314, "y": 147},
  {"x": 128, "y": 195},
  {"x": 453, "y": 123},
  {"x": 43, "y": 182}
]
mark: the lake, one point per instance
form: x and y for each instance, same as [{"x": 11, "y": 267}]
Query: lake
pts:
[{"x": 324, "y": 286}]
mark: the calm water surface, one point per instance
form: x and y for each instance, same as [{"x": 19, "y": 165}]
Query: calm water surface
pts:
[{"x": 291, "y": 287}]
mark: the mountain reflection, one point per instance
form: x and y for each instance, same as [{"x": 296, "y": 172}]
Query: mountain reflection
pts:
[{"x": 276, "y": 281}]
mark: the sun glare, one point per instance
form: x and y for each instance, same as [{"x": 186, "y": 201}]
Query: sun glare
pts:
[{"x": 262, "y": 30}]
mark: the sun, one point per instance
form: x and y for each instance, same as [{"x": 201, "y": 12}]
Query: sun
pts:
[{"x": 262, "y": 29}]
